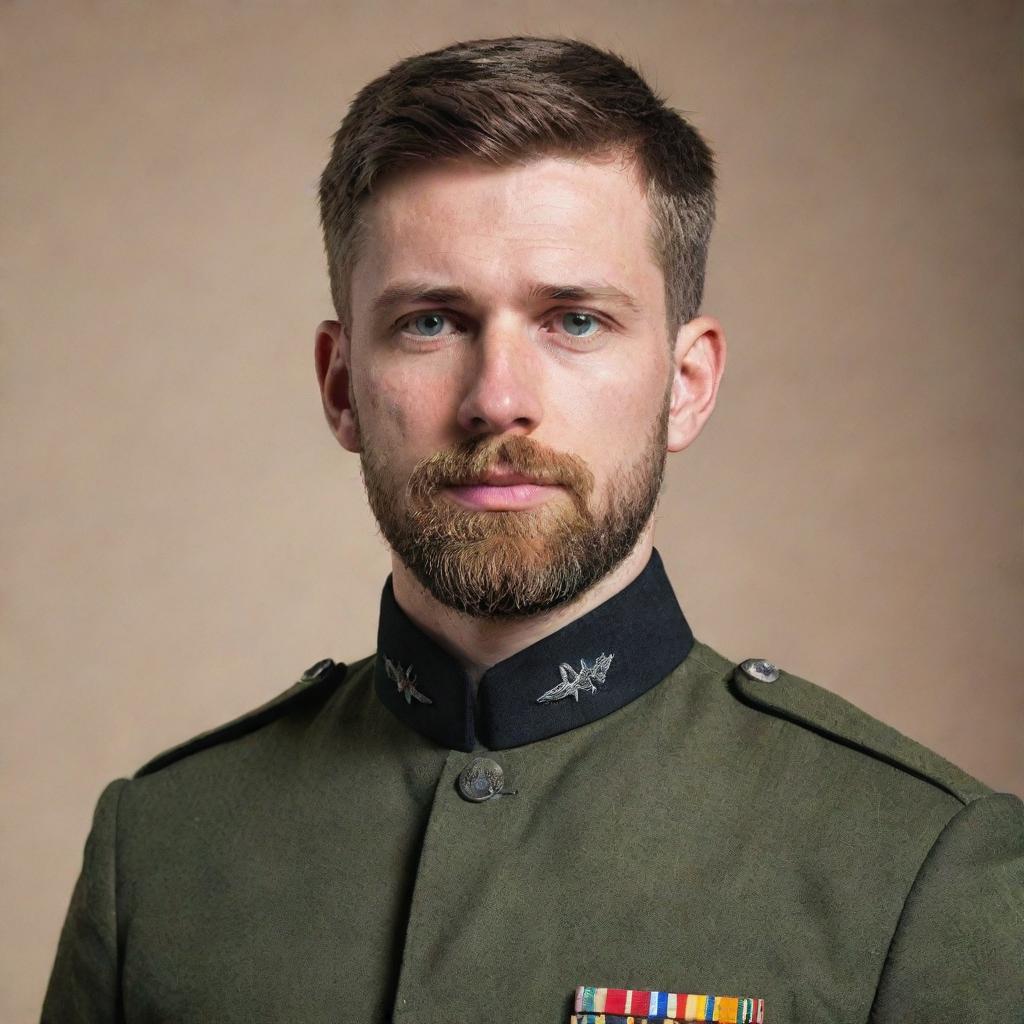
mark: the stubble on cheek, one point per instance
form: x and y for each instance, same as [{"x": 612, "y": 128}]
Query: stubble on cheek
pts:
[
  {"x": 402, "y": 395},
  {"x": 380, "y": 418},
  {"x": 384, "y": 434}
]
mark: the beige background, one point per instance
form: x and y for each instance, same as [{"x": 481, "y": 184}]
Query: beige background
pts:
[{"x": 181, "y": 534}]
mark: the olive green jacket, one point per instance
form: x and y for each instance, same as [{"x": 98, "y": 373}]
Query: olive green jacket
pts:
[{"x": 314, "y": 862}]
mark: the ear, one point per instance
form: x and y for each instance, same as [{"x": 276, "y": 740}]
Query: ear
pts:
[
  {"x": 697, "y": 367},
  {"x": 332, "y": 352}
]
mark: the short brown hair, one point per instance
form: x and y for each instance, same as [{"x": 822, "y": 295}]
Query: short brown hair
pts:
[{"x": 506, "y": 100}]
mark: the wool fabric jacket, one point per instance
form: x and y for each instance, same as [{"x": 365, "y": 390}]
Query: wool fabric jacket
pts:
[{"x": 318, "y": 861}]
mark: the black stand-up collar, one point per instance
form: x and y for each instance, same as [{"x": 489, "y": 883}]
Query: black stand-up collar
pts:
[{"x": 588, "y": 669}]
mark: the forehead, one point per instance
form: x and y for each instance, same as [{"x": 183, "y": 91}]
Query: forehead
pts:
[{"x": 494, "y": 230}]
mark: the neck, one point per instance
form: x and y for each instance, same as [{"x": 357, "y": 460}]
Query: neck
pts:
[{"x": 478, "y": 643}]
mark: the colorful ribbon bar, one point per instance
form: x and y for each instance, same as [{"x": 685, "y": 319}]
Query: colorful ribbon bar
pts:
[
  {"x": 616, "y": 1018},
  {"x": 634, "y": 1006}
]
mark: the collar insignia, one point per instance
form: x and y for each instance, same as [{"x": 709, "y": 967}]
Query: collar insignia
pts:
[
  {"x": 405, "y": 681},
  {"x": 573, "y": 681}
]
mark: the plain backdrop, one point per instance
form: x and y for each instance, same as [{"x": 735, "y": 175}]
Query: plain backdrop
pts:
[{"x": 182, "y": 536}]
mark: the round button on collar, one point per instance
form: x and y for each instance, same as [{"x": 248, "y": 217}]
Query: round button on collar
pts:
[
  {"x": 481, "y": 779},
  {"x": 760, "y": 670},
  {"x": 317, "y": 670}
]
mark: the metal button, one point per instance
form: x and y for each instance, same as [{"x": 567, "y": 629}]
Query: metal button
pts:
[
  {"x": 481, "y": 779},
  {"x": 760, "y": 670},
  {"x": 317, "y": 670}
]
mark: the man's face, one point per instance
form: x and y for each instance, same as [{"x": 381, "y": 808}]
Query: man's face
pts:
[{"x": 508, "y": 369}]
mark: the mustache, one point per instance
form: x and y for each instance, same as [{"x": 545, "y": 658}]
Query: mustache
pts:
[{"x": 465, "y": 462}]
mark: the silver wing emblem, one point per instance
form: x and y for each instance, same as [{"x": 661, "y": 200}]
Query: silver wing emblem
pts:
[
  {"x": 405, "y": 681},
  {"x": 573, "y": 681}
]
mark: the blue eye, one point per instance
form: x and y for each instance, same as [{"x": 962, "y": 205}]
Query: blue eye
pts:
[
  {"x": 428, "y": 325},
  {"x": 579, "y": 325}
]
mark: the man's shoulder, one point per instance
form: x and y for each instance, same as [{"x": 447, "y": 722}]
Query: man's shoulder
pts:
[
  {"x": 316, "y": 685},
  {"x": 821, "y": 719}
]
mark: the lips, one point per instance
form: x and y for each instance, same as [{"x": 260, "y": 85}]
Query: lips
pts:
[
  {"x": 503, "y": 476},
  {"x": 500, "y": 490},
  {"x": 499, "y": 474}
]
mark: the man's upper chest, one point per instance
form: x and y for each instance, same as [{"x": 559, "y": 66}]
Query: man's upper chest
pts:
[{"x": 675, "y": 845}]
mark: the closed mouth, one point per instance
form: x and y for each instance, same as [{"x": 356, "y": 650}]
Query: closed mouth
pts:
[{"x": 502, "y": 479}]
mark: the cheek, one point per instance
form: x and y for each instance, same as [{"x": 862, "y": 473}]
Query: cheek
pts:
[
  {"x": 405, "y": 413},
  {"x": 387, "y": 408},
  {"x": 622, "y": 410},
  {"x": 381, "y": 405}
]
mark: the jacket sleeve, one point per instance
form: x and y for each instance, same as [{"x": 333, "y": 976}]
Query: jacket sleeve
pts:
[
  {"x": 83, "y": 986},
  {"x": 958, "y": 950}
]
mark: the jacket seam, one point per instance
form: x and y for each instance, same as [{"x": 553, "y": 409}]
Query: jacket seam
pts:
[
  {"x": 835, "y": 736},
  {"x": 913, "y": 885},
  {"x": 244, "y": 725}
]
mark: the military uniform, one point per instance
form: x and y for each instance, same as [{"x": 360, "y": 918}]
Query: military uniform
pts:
[{"x": 617, "y": 807}]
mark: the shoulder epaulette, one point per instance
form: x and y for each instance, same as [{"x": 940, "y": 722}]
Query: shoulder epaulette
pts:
[
  {"x": 760, "y": 684},
  {"x": 317, "y": 678}
]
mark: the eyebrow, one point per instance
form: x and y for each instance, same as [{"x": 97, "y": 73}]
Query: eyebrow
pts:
[{"x": 421, "y": 292}]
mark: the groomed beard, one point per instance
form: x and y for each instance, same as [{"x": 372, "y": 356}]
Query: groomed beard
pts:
[{"x": 511, "y": 564}]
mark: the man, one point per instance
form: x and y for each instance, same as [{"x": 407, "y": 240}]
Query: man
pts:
[{"x": 541, "y": 797}]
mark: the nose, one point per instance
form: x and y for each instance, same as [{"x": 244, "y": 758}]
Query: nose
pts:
[{"x": 503, "y": 393}]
